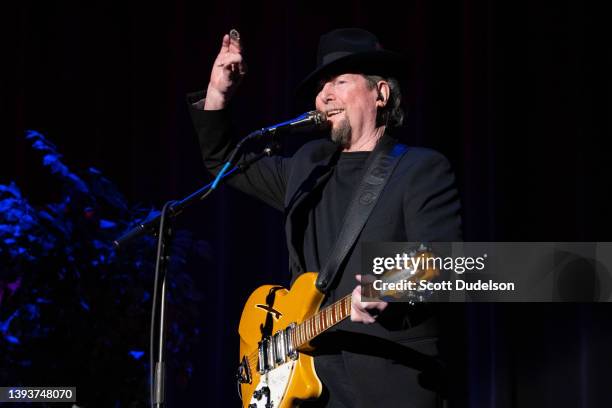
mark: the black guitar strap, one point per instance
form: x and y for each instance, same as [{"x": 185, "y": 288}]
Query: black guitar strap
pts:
[{"x": 386, "y": 157}]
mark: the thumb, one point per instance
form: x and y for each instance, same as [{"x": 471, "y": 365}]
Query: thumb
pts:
[{"x": 225, "y": 42}]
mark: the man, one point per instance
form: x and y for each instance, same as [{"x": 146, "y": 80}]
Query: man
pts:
[{"x": 385, "y": 354}]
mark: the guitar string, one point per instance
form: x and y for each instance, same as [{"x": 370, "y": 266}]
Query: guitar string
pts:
[
  {"x": 311, "y": 324},
  {"x": 342, "y": 304}
]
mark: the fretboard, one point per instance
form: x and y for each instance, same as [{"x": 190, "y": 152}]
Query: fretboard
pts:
[{"x": 321, "y": 321}]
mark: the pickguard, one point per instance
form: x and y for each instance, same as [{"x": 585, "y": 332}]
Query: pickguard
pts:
[{"x": 277, "y": 381}]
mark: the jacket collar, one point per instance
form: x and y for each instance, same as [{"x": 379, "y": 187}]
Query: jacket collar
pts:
[{"x": 322, "y": 162}]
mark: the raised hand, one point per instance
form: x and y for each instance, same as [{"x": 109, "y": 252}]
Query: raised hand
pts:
[{"x": 227, "y": 72}]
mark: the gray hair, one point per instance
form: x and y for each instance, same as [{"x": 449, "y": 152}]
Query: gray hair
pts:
[{"x": 392, "y": 114}]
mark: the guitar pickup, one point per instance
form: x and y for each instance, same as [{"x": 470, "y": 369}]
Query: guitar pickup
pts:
[
  {"x": 289, "y": 347},
  {"x": 279, "y": 347},
  {"x": 263, "y": 360},
  {"x": 276, "y": 350}
]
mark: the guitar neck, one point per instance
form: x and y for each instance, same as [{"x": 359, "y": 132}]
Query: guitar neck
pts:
[{"x": 321, "y": 321}]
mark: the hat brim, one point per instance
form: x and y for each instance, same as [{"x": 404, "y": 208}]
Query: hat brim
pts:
[{"x": 380, "y": 62}]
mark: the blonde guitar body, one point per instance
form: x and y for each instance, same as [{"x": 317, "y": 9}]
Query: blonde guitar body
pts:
[
  {"x": 277, "y": 326},
  {"x": 294, "y": 378}
]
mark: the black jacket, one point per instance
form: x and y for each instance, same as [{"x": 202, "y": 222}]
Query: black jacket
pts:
[{"x": 419, "y": 203}]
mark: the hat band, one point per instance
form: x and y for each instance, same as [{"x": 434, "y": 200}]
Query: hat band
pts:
[{"x": 332, "y": 56}]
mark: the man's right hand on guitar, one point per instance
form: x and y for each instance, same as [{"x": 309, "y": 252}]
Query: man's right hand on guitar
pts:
[{"x": 364, "y": 312}]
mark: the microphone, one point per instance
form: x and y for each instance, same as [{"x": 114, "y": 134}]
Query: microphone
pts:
[
  {"x": 309, "y": 120},
  {"x": 306, "y": 121}
]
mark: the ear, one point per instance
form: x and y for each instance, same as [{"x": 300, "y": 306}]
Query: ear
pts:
[{"x": 383, "y": 90}]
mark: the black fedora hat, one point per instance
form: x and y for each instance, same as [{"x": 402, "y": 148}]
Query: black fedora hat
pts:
[{"x": 351, "y": 50}]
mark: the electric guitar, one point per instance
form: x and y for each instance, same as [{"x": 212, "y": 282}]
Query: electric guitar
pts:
[{"x": 277, "y": 325}]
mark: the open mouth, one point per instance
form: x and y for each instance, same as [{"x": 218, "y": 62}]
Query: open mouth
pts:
[{"x": 333, "y": 112}]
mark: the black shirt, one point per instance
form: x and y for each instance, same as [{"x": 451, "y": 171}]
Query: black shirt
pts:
[{"x": 329, "y": 207}]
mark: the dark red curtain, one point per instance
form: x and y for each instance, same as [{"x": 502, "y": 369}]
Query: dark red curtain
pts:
[{"x": 516, "y": 94}]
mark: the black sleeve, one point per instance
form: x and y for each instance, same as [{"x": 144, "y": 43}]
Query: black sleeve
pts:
[{"x": 265, "y": 179}]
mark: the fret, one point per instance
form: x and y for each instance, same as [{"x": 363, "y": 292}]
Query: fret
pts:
[
  {"x": 301, "y": 333},
  {"x": 311, "y": 328},
  {"x": 324, "y": 320},
  {"x": 321, "y": 321},
  {"x": 337, "y": 309}
]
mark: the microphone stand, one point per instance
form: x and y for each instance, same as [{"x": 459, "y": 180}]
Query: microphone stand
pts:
[{"x": 162, "y": 223}]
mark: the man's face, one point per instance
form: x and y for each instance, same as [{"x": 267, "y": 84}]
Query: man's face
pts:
[{"x": 350, "y": 106}]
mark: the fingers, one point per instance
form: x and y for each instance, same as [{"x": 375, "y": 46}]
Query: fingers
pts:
[
  {"x": 231, "y": 42},
  {"x": 230, "y": 55},
  {"x": 229, "y": 58},
  {"x": 225, "y": 44},
  {"x": 364, "y": 312},
  {"x": 235, "y": 44},
  {"x": 361, "y": 315},
  {"x": 359, "y": 312}
]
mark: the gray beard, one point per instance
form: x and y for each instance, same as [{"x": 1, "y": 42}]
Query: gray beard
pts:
[{"x": 342, "y": 134}]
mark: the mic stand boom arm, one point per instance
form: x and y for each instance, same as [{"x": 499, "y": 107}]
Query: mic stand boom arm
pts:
[
  {"x": 177, "y": 207},
  {"x": 162, "y": 224}
]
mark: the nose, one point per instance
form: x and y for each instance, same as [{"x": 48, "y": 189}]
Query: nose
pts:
[{"x": 326, "y": 93}]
